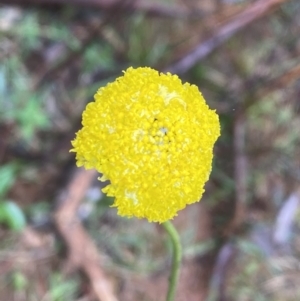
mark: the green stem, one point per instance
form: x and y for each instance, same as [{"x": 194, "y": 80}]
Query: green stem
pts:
[{"x": 176, "y": 260}]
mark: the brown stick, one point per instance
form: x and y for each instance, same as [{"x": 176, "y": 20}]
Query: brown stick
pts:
[
  {"x": 280, "y": 82},
  {"x": 256, "y": 11},
  {"x": 240, "y": 170},
  {"x": 83, "y": 253}
]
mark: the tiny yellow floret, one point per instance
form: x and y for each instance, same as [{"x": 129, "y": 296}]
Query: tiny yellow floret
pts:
[{"x": 152, "y": 137}]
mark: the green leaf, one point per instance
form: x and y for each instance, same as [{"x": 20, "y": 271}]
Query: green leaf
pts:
[
  {"x": 12, "y": 215},
  {"x": 20, "y": 282},
  {"x": 7, "y": 176},
  {"x": 31, "y": 118},
  {"x": 62, "y": 289}
]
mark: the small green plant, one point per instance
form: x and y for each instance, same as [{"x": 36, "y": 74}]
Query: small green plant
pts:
[
  {"x": 10, "y": 213},
  {"x": 62, "y": 289}
]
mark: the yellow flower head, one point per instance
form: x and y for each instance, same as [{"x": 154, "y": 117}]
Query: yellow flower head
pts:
[{"x": 152, "y": 137}]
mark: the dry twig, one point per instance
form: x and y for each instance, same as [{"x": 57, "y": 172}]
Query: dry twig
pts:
[
  {"x": 83, "y": 253},
  {"x": 280, "y": 82},
  {"x": 256, "y": 11},
  {"x": 240, "y": 170},
  {"x": 272, "y": 85}
]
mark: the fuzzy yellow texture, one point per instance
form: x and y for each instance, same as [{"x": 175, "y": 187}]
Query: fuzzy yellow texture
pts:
[{"x": 152, "y": 137}]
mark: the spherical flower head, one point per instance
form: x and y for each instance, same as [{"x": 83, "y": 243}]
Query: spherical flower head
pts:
[{"x": 152, "y": 137}]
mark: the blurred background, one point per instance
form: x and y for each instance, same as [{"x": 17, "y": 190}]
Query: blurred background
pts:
[{"x": 59, "y": 240}]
